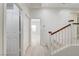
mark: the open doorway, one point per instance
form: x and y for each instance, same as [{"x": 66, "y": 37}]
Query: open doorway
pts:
[{"x": 35, "y": 31}]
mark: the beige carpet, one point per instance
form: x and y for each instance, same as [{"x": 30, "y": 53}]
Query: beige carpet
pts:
[{"x": 37, "y": 50}]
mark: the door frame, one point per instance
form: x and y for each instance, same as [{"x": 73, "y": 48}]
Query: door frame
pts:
[
  {"x": 31, "y": 29},
  {"x": 29, "y": 18}
]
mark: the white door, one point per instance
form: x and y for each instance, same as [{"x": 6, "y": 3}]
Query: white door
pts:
[
  {"x": 35, "y": 31},
  {"x": 12, "y": 29}
]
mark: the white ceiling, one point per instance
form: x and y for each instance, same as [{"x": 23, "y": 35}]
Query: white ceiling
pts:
[
  {"x": 53, "y": 5},
  {"x": 33, "y": 5}
]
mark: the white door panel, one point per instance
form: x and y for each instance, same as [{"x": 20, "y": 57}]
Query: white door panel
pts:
[{"x": 12, "y": 31}]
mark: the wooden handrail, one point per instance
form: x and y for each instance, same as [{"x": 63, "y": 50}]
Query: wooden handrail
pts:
[
  {"x": 76, "y": 23},
  {"x": 70, "y": 20},
  {"x": 59, "y": 29}
]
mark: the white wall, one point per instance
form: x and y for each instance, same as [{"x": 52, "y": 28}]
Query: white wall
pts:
[{"x": 51, "y": 20}]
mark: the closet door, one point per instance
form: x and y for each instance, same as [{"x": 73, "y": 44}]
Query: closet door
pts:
[{"x": 12, "y": 29}]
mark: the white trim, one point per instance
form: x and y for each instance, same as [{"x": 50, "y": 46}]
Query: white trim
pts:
[
  {"x": 75, "y": 45},
  {"x": 4, "y": 35},
  {"x": 3, "y": 30}
]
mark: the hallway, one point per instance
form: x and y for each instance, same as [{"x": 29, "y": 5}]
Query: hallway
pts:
[{"x": 38, "y": 29}]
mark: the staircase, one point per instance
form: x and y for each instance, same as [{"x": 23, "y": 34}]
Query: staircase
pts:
[
  {"x": 64, "y": 39},
  {"x": 69, "y": 51}
]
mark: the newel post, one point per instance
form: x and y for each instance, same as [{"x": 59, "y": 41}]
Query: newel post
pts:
[{"x": 71, "y": 31}]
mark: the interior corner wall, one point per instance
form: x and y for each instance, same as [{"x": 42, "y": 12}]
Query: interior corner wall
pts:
[
  {"x": 1, "y": 28},
  {"x": 24, "y": 8}
]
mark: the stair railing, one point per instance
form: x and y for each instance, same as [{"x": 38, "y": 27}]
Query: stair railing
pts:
[{"x": 60, "y": 38}]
